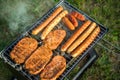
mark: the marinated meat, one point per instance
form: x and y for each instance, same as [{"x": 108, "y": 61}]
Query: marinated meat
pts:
[
  {"x": 23, "y": 49},
  {"x": 54, "y": 38},
  {"x": 54, "y": 69},
  {"x": 38, "y": 60}
]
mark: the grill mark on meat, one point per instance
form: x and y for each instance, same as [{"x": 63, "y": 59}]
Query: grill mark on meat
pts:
[
  {"x": 38, "y": 60},
  {"x": 36, "y": 68},
  {"x": 23, "y": 49},
  {"x": 54, "y": 38},
  {"x": 54, "y": 69}
]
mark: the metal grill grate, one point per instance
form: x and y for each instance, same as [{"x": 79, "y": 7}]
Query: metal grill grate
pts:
[{"x": 71, "y": 62}]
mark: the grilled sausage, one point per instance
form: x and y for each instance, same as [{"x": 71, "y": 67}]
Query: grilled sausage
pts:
[
  {"x": 82, "y": 37},
  {"x": 78, "y": 51},
  {"x": 78, "y": 16},
  {"x": 68, "y": 23},
  {"x": 75, "y": 35},
  {"x": 53, "y": 24},
  {"x": 73, "y": 20},
  {"x": 47, "y": 21}
]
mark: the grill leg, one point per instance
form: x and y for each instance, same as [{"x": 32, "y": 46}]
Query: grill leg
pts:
[
  {"x": 94, "y": 56},
  {"x": 14, "y": 78}
]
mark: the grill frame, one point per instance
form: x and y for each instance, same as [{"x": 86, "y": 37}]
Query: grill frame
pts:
[{"x": 71, "y": 63}]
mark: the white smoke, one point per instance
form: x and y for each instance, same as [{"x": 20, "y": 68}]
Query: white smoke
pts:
[
  {"x": 20, "y": 13},
  {"x": 19, "y": 16}
]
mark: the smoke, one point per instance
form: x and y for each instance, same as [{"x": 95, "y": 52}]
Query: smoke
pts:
[{"x": 18, "y": 14}]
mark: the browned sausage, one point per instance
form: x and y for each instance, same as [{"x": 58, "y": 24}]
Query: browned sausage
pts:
[
  {"x": 78, "y": 51},
  {"x": 47, "y": 21},
  {"x": 53, "y": 23},
  {"x": 68, "y": 23},
  {"x": 73, "y": 20},
  {"x": 82, "y": 37},
  {"x": 75, "y": 35},
  {"x": 78, "y": 16}
]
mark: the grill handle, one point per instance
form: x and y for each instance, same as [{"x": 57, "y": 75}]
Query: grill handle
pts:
[
  {"x": 94, "y": 57},
  {"x": 1, "y": 54},
  {"x": 109, "y": 46}
]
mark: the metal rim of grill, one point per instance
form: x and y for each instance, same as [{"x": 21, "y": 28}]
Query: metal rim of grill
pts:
[{"x": 71, "y": 62}]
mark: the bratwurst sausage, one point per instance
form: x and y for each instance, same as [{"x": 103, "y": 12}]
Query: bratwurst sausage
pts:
[
  {"x": 78, "y": 51},
  {"x": 47, "y": 21},
  {"x": 75, "y": 35},
  {"x": 82, "y": 37},
  {"x": 53, "y": 24}
]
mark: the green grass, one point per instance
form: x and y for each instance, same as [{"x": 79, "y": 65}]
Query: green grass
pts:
[
  {"x": 5, "y": 74},
  {"x": 106, "y": 12}
]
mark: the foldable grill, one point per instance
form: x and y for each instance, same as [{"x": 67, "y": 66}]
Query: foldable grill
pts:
[{"x": 89, "y": 54}]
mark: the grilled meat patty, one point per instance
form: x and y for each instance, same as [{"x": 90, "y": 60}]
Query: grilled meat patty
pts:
[
  {"x": 38, "y": 60},
  {"x": 54, "y": 38},
  {"x": 23, "y": 49},
  {"x": 54, "y": 69}
]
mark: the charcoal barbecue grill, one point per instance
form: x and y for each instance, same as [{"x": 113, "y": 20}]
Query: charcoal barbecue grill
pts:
[{"x": 89, "y": 53}]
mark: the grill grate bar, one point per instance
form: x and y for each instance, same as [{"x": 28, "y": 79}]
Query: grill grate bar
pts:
[{"x": 71, "y": 62}]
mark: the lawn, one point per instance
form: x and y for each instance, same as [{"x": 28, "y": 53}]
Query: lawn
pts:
[{"x": 17, "y": 16}]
